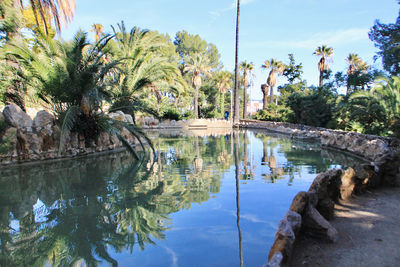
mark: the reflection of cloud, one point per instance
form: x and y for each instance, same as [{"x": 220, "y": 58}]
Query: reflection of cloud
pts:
[
  {"x": 333, "y": 38},
  {"x": 252, "y": 218},
  {"x": 173, "y": 255}
]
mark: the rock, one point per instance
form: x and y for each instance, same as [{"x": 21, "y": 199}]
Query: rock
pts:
[
  {"x": 129, "y": 119},
  {"x": 118, "y": 116},
  {"x": 281, "y": 245},
  {"x": 387, "y": 167},
  {"x": 348, "y": 183},
  {"x": 366, "y": 177},
  {"x": 326, "y": 187},
  {"x": 46, "y": 140},
  {"x": 294, "y": 220},
  {"x": 314, "y": 224},
  {"x": 16, "y": 117},
  {"x": 43, "y": 119},
  {"x": 276, "y": 260},
  {"x": 299, "y": 202}
]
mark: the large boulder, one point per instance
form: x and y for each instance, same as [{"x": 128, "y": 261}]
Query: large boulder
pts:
[
  {"x": 15, "y": 116},
  {"x": 43, "y": 119}
]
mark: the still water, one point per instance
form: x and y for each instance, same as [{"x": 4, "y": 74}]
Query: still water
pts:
[{"x": 199, "y": 201}]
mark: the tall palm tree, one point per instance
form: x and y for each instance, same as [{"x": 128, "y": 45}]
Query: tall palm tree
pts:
[
  {"x": 355, "y": 64},
  {"x": 246, "y": 68},
  {"x": 276, "y": 68},
  {"x": 325, "y": 52},
  {"x": 98, "y": 31},
  {"x": 236, "y": 91},
  {"x": 199, "y": 66}
]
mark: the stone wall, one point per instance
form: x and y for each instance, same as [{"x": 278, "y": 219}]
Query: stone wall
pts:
[
  {"x": 311, "y": 211},
  {"x": 38, "y": 139},
  {"x": 370, "y": 147}
]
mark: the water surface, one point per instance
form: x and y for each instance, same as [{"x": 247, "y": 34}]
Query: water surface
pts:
[{"x": 200, "y": 201}]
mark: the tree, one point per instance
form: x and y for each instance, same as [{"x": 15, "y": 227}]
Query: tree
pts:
[
  {"x": 56, "y": 12},
  {"x": 277, "y": 68},
  {"x": 247, "y": 69},
  {"x": 236, "y": 90},
  {"x": 387, "y": 40},
  {"x": 223, "y": 81},
  {"x": 143, "y": 68},
  {"x": 356, "y": 68},
  {"x": 325, "y": 53},
  {"x": 198, "y": 66},
  {"x": 293, "y": 71}
]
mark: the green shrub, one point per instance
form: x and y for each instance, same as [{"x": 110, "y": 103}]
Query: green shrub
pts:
[
  {"x": 274, "y": 113},
  {"x": 172, "y": 114},
  {"x": 189, "y": 114}
]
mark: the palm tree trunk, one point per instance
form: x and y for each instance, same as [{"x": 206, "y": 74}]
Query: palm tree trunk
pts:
[
  {"x": 222, "y": 103},
  {"x": 264, "y": 89},
  {"x": 271, "y": 95},
  {"x": 321, "y": 78},
  {"x": 196, "y": 102},
  {"x": 244, "y": 102},
  {"x": 236, "y": 104}
]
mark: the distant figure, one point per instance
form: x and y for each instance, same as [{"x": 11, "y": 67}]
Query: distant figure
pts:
[{"x": 226, "y": 115}]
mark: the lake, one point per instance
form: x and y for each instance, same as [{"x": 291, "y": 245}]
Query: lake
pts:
[{"x": 201, "y": 200}]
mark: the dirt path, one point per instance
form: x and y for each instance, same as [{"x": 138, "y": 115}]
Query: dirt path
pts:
[{"x": 369, "y": 234}]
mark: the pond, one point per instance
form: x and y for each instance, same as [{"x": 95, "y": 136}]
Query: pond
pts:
[{"x": 201, "y": 200}]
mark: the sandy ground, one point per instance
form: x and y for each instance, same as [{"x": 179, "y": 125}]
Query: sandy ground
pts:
[{"x": 369, "y": 234}]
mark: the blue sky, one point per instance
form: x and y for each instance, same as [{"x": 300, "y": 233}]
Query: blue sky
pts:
[{"x": 268, "y": 28}]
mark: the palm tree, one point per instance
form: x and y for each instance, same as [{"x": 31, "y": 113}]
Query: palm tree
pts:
[
  {"x": 355, "y": 64},
  {"x": 57, "y": 11},
  {"x": 277, "y": 67},
  {"x": 141, "y": 68},
  {"x": 325, "y": 52},
  {"x": 236, "y": 104},
  {"x": 247, "y": 68},
  {"x": 223, "y": 81},
  {"x": 199, "y": 66},
  {"x": 98, "y": 31}
]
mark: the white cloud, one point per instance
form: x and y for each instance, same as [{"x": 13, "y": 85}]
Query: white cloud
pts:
[
  {"x": 332, "y": 38},
  {"x": 217, "y": 13}
]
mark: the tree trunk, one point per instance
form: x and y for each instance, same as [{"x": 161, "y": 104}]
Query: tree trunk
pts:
[
  {"x": 264, "y": 89},
  {"x": 236, "y": 104},
  {"x": 271, "y": 95},
  {"x": 244, "y": 102},
  {"x": 222, "y": 104},
  {"x": 321, "y": 78},
  {"x": 196, "y": 102}
]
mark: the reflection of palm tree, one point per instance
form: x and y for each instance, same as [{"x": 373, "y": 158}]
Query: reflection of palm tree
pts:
[
  {"x": 237, "y": 170},
  {"x": 198, "y": 161}
]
